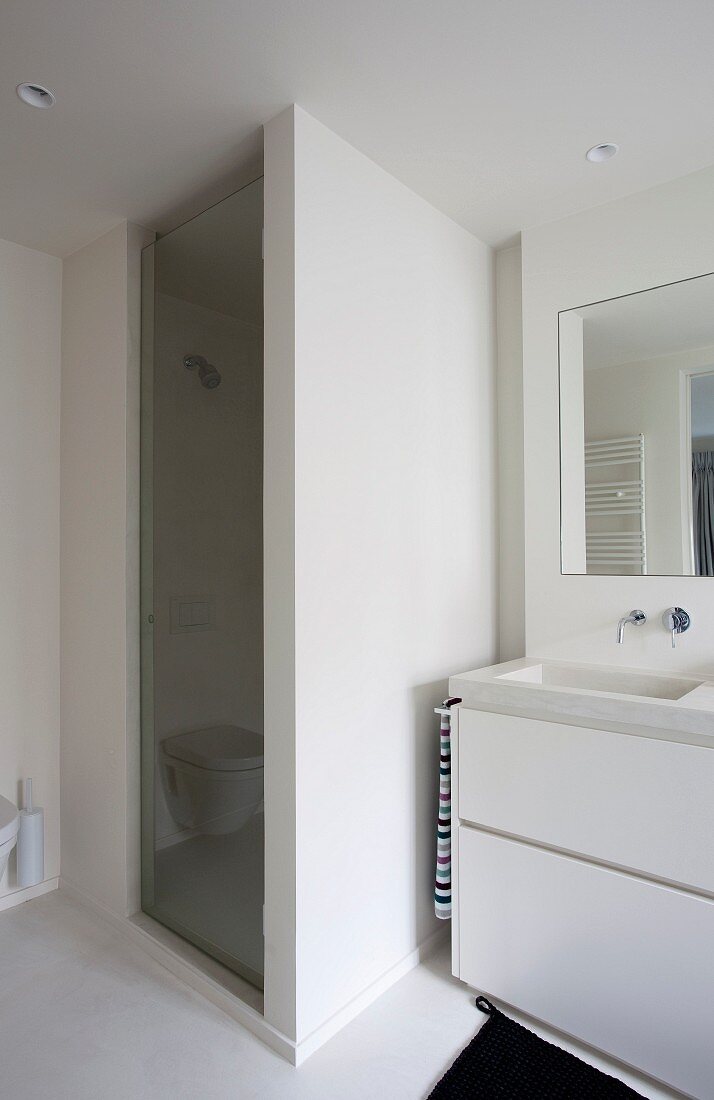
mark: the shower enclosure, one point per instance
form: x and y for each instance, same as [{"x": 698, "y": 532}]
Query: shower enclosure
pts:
[{"x": 202, "y": 581}]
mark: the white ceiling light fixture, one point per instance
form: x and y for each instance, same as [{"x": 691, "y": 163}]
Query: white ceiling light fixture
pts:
[
  {"x": 602, "y": 152},
  {"x": 35, "y": 95}
]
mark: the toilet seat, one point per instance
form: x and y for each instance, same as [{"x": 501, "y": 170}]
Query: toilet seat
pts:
[
  {"x": 9, "y": 825},
  {"x": 217, "y": 748},
  {"x": 213, "y": 778},
  {"x": 9, "y": 821}
]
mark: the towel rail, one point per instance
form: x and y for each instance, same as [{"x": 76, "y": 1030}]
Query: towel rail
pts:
[{"x": 624, "y": 497}]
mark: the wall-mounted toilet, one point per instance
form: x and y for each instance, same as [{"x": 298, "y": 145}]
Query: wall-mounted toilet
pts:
[
  {"x": 213, "y": 778},
  {"x": 9, "y": 824}
]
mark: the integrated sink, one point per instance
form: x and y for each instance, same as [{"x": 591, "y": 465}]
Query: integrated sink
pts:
[
  {"x": 646, "y": 702},
  {"x": 612, "y": 681}
]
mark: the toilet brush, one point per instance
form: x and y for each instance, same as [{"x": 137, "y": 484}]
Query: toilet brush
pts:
[{"x": 30, "y": 842}]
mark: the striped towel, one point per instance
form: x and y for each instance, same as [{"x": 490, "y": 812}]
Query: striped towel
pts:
[{"x": 442, "y": 891}]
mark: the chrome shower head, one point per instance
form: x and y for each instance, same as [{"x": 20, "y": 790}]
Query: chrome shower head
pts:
[{"x": 208, "y": 375}]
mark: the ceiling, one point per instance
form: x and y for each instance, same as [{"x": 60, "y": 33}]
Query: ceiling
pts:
[
  {"x": 485, "y": 108},
  {"x": 678, "y": 317}
]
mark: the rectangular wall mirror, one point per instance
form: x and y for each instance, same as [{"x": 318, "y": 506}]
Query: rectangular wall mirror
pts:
[{"x": 637, "y": 433}]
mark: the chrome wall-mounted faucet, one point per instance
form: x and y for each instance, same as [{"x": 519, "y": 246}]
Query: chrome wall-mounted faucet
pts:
[
  {"x": 676, "y": 620},
  {"x": 636, "y": 617}
]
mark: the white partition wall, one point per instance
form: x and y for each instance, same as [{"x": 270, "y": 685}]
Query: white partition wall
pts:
[
  {"x": 380, "y": 562},
  {"x": 380, "y": 566},
  {"x": 279, "y": 574}
]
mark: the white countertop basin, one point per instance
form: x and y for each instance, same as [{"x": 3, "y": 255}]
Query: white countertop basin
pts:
[
  {"x": 641, "y": 701},
  {"x": 612, "y": 680}
]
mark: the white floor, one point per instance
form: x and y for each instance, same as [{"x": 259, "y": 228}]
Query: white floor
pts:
[{"x": 83, "y": 1014}]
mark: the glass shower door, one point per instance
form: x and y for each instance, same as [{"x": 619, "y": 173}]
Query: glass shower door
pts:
[{"x": 202, "y": 581}]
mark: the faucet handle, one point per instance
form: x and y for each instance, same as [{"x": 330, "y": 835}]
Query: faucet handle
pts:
[{"x": 676, "y": 620}]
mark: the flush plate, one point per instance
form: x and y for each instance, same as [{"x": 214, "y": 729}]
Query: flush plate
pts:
[{"x": 192, "y": 613}]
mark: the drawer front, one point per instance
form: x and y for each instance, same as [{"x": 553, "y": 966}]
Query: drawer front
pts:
[
  {"x": 638, "y": 802},
  {"x": 623, "y": 964}
]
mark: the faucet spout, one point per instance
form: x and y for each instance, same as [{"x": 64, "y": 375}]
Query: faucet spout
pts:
[{"x": 636, "y": 617}]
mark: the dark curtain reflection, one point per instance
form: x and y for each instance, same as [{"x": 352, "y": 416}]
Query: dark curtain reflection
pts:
[{"x": 703, "y": 512}]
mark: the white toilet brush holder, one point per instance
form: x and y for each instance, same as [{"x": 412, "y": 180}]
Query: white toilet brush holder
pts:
[{"x": 30, "y": 842}]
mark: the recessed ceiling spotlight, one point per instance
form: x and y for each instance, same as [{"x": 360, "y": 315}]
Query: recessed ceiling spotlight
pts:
[
  {"x": 602, "y": 152},
  {"x": 35, "y": 95}
]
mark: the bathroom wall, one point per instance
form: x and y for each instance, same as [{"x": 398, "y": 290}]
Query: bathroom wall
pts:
[
  {"x": 30, "y": 302},
  {"x": 381, "y": 540},
  {"x": 647, "y": 239},
  {"x": 207, "y": 524},
  {"x": 511, "y": 563},
  {"x": 99, "y": 569}
]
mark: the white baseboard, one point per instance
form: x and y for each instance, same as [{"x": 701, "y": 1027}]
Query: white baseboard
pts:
[
  {"x": 294, "y": 1052},
  {"x": 17, "y": 897},
  {"x": 358, "y": 1004}
]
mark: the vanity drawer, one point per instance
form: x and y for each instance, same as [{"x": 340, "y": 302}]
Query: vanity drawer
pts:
[
  {"x": 623, "y": 964},
  {"x": 638, "y": 802}
]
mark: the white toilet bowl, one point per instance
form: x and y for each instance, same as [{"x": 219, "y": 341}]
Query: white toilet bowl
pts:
[
  {"x": 213, "y": 778},
  {"x": 9, "y": 824}
]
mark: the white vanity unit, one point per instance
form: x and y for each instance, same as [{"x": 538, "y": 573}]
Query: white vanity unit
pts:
[{"x": 583, "y": 856}]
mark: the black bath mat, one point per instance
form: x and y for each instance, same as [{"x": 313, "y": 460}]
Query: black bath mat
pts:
[{"x": 505, "y": 1061}]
